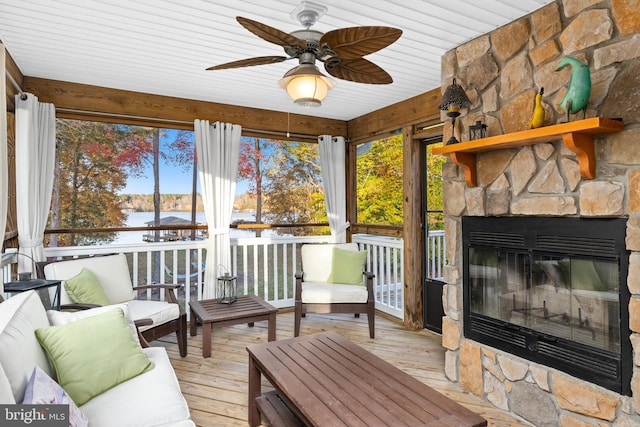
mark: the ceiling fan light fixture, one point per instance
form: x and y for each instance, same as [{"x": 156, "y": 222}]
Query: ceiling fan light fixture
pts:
[{"x": 306, "y": 85}]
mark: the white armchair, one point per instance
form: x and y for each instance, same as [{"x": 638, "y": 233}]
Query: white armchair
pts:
[
  {"x": 318, "y": 291},
  {"x": 154, "y": 319}
]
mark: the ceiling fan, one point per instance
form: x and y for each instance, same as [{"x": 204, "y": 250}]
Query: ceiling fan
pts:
[{"x": 340, "y": 50}]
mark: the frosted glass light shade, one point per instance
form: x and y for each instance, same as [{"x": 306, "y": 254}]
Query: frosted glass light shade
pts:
[{"x": 306, "y": 85}]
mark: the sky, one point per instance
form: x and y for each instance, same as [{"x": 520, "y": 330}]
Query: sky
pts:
[{"x": 173, "y": 179}]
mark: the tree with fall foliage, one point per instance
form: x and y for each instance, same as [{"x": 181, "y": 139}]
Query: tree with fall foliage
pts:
[
  {"x": 294, "y": 186},
  {"x": 93, "y": 161}
]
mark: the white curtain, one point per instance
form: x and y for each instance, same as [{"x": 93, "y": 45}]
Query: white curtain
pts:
[
  {"x": 4, "y": 176},
  {"x": 35, "y": 149},
  {"x": 332, "y": 167},
  {"x": 218, "y": 153}
]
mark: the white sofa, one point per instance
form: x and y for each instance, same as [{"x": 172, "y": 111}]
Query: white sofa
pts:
[{"x": 152, "y": 398}]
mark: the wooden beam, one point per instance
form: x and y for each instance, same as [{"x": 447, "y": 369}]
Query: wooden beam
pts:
[
  {"x": 80, "y": 97},
  {"x": 411, "y": 111}
]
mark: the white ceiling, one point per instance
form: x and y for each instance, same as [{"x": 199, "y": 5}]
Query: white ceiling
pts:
[{"x": 163, "y": 46}]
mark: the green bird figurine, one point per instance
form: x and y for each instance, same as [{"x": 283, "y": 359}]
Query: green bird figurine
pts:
[
  {"x": 538, "y": 112},
  {"x": 579, "y": 89}
]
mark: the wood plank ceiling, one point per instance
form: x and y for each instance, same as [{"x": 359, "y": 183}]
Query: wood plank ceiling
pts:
[{"x": 164, "y": 46}]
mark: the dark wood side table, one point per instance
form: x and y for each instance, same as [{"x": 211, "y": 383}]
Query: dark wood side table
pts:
[
  {"x": 246, "y": 309},
  {"x": 18, "y": 286}
]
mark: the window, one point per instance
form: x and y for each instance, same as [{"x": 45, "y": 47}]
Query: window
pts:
[
  {"x": 379, "y": 181},
  {"x": 279, "y": 182},
  {"x": 118, "y": 176},
  {"x": 106, "y": 175}
]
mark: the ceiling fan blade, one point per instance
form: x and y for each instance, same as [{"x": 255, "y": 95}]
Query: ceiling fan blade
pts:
[
  {"x": 270, "y": 34},
  {"x": 356, "y": 42},
  {"x": 260, "y": 60},
  {"x": 358, "y": 70}
]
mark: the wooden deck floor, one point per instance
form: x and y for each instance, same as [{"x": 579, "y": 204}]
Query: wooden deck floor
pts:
[{"x": 216, "y": 388}]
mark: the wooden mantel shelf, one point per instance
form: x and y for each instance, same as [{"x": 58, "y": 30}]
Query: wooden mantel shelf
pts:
[{"x": 578, "y": 136}]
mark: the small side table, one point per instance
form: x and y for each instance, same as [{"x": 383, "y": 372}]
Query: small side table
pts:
[
  {"x": 18, "y": 286},
  {"x": 246, "y": 309}
]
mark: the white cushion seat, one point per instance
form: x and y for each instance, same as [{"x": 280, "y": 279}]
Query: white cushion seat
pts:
[
  {"x": 141, "y": 395},
  {"x": 158, "y": 311},
  {"x": 319, "y": 293}
]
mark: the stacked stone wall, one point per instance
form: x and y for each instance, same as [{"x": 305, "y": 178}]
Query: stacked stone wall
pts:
[{"x": 502, "y": 72}]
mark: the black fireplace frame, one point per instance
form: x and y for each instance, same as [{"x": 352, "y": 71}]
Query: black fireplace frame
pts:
[{"x": 597, "y": 238}]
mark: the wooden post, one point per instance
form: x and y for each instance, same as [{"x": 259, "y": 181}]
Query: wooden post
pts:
[{"x": 413, "y": 230}]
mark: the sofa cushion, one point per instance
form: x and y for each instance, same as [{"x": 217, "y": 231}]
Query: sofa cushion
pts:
[
  {"x": 6, "y": 394},
  {"x": 94, "y": 354},
  {"x": 84, "y": 288},
  {"x": 58, "y": 318},
  {"x": 317, "y": 258},
  {"x": 150, "y": 399},
  {"x": 158, "y": 311},
  {"x": 112, "y": 271},
  {"x": 322, "y": 293},
  {"x": 347, "y": 267},
  {"x": 20, "y": 351},
  {"x": 43, "y": 390}
]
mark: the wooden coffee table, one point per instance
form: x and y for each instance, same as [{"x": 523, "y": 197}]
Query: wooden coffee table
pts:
[
  {"x": 326, "y": 380},
  {"x": 246, "y": 309}
]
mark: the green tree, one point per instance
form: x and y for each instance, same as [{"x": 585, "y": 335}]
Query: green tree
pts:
[
  {"x": 434, "y": 188},
  {"x": 379, "y": 182}
]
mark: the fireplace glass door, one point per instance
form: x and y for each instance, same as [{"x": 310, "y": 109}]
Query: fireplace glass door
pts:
[{"x": 572, "y": 298}]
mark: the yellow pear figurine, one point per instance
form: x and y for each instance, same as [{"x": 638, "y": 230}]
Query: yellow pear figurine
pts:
[{"x": 538, "y": 112}]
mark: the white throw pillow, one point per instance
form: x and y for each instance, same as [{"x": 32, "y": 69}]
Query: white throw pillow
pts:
[
  {"x": 58, "y": 318},
  {"x": 42, "y": 390}
]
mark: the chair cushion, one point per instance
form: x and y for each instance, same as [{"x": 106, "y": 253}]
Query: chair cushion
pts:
[
  {"x": 323, "y": 293},
  {"x": 94, "y": 354},
  {"x": 317, "y": 258},
  {"x": 112, "y": 271},
  {"x": 138, "y": 399},
  {"x": 84, "y": 288},
  {"x": 158, "y": 311},
  {"x": 20, "y": 315},
  {"x": 347, "y": 267}
]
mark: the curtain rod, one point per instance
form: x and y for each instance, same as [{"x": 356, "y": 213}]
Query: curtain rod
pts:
[
  {"x": 178, "y": 122},
  {"x": 15, "y": 84}
]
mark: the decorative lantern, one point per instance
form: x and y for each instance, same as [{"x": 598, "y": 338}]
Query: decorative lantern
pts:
[
  {"x": 226, "y": 290},
  {"x": 477, "y": 131},
  {"x": 452, "y": 101}
]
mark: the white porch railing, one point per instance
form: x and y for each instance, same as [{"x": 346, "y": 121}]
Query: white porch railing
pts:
[
  {"x": 386, "y": 261},
  {"x": 436, "y": 254},
  {"x": 264, "y": 266}
]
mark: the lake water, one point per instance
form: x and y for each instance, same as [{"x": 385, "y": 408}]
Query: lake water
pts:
[{"x": 139, "y": 219}]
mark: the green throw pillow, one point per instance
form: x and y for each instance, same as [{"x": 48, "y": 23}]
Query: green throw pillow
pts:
[
  {"x": 347, "y": 266},
  {"x": 92, "y": 355},
  {"x": 84, "y": 288}
]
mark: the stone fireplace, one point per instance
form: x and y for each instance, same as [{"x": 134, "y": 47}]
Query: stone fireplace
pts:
[{"x": 501, "y": 73}]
